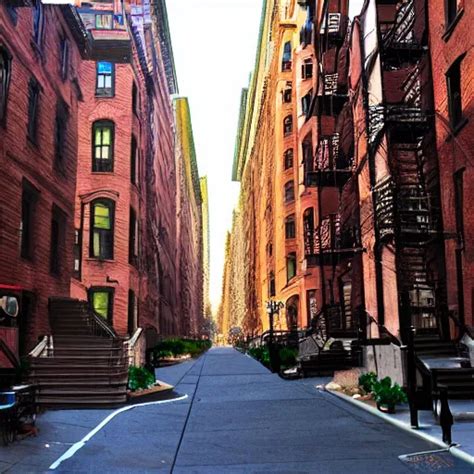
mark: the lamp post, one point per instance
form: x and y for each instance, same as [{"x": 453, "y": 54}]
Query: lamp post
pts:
[{"x": 273, "y": 307}]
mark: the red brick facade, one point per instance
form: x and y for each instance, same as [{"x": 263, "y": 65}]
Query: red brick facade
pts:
[
  {"x": 37, "y": 167},
  {"x": 451, "y": 43}
]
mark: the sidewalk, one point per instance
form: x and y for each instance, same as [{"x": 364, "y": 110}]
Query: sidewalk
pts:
[{"x": 430, "y": 430}]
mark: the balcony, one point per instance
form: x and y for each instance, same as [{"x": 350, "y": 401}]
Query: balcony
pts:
[
  {"x": 331, "y": 168},
  {"x": 416, "y": 219},
  {"x": 110, "y": 45},
  {"x": 330, "y": 243}
]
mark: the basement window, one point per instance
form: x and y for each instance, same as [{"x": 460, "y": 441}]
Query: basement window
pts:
[
  {"x": 5, "y": 73},
  {"x": 33, "y": 103},
  {"x": 288, "y": 159},
  {"x": 105, "y": 81},
  {"x": 453, "y": 82},
  {"x": 102, "y": 229},
  {"x": 290, "y": 266},
  {"x": 103, "y": 146},
  {"x": 290, "y": 227}
]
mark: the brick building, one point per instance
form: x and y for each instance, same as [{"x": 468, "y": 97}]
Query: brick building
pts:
[
  {"x": 452, "y": 60},
  {"x": 40, "y": 93}
]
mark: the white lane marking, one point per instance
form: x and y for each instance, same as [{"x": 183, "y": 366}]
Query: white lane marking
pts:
[{"x": 77, "y": 446}]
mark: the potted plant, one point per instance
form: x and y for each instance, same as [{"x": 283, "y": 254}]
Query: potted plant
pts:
[
  {"x": 367, "y": 381},
  {"x": 387, "y": 395}
]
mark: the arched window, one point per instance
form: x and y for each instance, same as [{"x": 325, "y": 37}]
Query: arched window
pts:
[
  {"x": 5, "y": 72},
  {"x": 103, "y": 146},
  {"x": 38, "y": 23},
  {"x": 288, "y": 125},
  {"x": 289, "y": 192},
  {"x": 286, "y": 59},
  {"x": 102, "y": 229},
  {"x": 288, "y": 159},
  {"x": 290, "y": 227}
]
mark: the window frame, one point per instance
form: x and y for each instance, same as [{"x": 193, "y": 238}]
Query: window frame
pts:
[
  {"x": 110, "y": 204},
  {"x": 98, "y": 163},
  {"x": 291, "y": 257},
  {"x": 307, "y": 69},
  {"x": 34, "y": 91},
  {"x": 134, "y": 161},
  {"x": 30, "y": 197},
  {"x": 64, "y": 51},
  {"x": 60, "y": 134},
  {"x": 289, "y": 192},
  {"x": 105, "y": 91},
  {"x": 288, "y": 125},
  {"x": 57, "y": 252},
  {"x": 288, "y": 159},
  {"x": 110, "y": 308},
  {"x": 290, "y": 227},
  {"x": 133, "y": 233},
  {"x": 5, "y": 83},
  {"x": 38, "y": 24},
  {"x": 286, "y": 59},
  {"x": 455, "y": 110}
]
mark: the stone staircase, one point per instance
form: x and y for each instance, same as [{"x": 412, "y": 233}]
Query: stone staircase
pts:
[{"x": 86, "y": 364}]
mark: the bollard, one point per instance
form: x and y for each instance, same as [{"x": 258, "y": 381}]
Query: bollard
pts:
[{"x": 445, "y": 416}]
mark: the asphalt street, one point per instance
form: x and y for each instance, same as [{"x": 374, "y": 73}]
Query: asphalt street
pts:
[{"x": 240, "y": 418}]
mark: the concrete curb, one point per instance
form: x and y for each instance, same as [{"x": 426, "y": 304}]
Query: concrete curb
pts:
[{"x": 459, "y": 453}]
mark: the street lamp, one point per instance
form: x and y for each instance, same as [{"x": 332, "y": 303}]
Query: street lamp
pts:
[{"x": 273, "y": 307}]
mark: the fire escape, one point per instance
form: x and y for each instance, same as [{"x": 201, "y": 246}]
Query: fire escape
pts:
[{"x": 406, "y": 206}]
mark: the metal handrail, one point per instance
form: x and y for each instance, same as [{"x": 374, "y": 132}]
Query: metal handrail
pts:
[
  {"x": 99, "y": 326},
  {"x": 465, "y": 329}
]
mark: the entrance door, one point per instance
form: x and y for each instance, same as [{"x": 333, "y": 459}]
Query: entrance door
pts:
[{"x": 102, "y": 300}]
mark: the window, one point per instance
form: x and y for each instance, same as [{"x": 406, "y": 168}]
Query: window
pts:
[
  {"x": 104, "y": 21},
  {"x": 289, "y": 192},
  {"x": 77, "y": 253},
  {"x": 134, "y": 161},
  {"x": 58, "y": 225},
  {"x": 64, "y": 57},
  {"x": 307, "y": 69},
  {"x": 105, "y": 82},
  {"x": 102, "y": 229},
  {"x": 103, "y": 146},
  {"x": 135, "y": 99},
  {"x": 307, "y": 149},
  {"x": 287, "y": 93},
  {"x": 290, "y": 266},
  {"x": 288, "y": 125},
  {"x": 101, "y": 300},
  {"x": 453, "y": 81},
  {"x": 451, "y": 8},
  {"x": 271, "y": 285},
  {"x": 133, "y": 238},
  {"x": 306, "y": 103},
  {"x": 290, "y": 227},
  {"x": 459, "y": 204},
  {"x": 288, "y": 159},
  {"x": 61, "y": 126},
  {"x": 29, "y": 199},
  {"x": 286, "y": 59},
  {"x": 132, "y": 312},
  {"x": 38, "y": 23},
  {"x": 5, "y": 72},
  {"x": 33, "y": 102}
]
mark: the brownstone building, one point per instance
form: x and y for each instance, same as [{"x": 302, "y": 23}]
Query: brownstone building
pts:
[{"x": 40, "y": 93}]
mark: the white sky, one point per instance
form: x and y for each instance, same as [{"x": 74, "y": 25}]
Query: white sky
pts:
[{"x": 214, "y": 45}]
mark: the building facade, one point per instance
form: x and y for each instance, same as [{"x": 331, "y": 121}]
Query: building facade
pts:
[{"x": 40, "y": 94}]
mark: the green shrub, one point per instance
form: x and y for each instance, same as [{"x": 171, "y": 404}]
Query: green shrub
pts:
[
  {"x": 386, "y": 394},
  {"x": 261, "y": 354},
  {"x": 367, "y": 381},
  {"x": 177, "y": 347},
  {"x": 139, "y": 378},
  {"x": 288, "y": 356}
]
